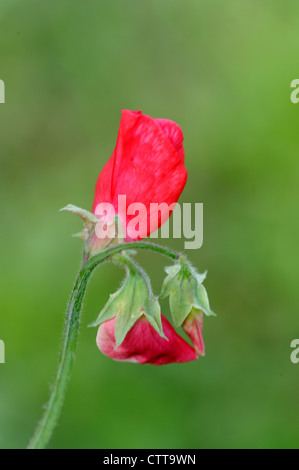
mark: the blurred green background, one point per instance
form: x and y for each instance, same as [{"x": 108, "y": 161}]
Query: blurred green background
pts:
[{"x": 222, "y": 70}]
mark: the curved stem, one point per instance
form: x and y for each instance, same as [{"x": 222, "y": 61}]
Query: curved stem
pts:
[
  {"x": 53, "y": 408},
  {"x": 174, "y": 255}
]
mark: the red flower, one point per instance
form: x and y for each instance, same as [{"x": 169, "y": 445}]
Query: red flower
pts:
[
  {"x": 144, "y": 345},
  {"x": 147, "y": 166}
]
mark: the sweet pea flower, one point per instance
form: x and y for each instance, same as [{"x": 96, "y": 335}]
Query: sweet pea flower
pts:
[
  {"x": 147, "y": 166},
  {"x": 146, "y": 169},
  {"x": 144, "y": 345}
]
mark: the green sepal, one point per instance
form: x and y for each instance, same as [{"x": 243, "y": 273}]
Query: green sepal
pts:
[
  {"x": 183, "y": 285},
  {"x": 89, "y": 235},
  {"x": 133, "y": 300},
  {"x": 89, "y": 219}
]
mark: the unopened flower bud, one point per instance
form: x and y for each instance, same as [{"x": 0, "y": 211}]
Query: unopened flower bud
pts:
[
  {"x": 131, "y": 302},
  {"x": 188, "y": 300}
]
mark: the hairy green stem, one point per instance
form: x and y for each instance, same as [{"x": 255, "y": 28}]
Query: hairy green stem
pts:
[{"x": 53, "y": 408}]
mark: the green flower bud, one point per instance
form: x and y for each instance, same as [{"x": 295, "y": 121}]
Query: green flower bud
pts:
[
  {"x": 133, "y": 300},
  {"x": 188, "y": 300}
]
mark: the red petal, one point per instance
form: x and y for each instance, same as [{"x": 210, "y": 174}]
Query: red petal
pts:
[
  {"x": 174, "y": 133},
  {"x": 147, "y": 164},
  {"x": 144, "y": 345},
  {"x": 193, "y": 325}
]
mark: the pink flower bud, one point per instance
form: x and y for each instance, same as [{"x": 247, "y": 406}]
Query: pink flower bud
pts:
[
  {"x": 193, "y": 326},
  {"x": 188, "y": 300},
  {"x": 144, "y": 345}
]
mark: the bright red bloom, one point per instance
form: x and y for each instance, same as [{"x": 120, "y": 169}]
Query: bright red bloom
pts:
[
  {"x": 144, "y": 345},
  {"x": 147, "y": 166}
]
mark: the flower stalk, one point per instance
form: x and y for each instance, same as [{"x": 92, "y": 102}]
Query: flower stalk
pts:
[{"x": 53, "y": 408}]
